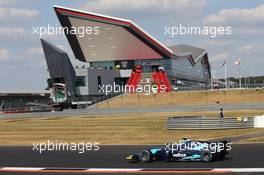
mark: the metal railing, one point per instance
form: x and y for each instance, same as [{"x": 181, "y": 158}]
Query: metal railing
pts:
[{"x": 201, "y": 122}]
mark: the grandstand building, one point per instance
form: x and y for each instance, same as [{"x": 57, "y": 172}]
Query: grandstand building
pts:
[
  {"x": 116, "y": 50},
  {"x": 20, "y": 101}
]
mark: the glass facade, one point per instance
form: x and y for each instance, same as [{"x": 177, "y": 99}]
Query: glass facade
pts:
[
  {"x": 103, "y": 64},
  {"x": 182, "y": 69},
  {"x": 80, "y": 81},
  {"x": 179, "y": 70}
]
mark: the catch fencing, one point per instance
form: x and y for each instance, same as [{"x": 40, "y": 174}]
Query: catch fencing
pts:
[{"x": 201, "y": 122}]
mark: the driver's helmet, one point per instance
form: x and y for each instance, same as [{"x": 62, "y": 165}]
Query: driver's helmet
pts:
[{"x": 185, "y": 140}]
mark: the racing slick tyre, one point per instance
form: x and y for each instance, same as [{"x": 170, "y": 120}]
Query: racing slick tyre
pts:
[
  {"x": 206, "y": 156},
  {"x": 145, "y": 156}
]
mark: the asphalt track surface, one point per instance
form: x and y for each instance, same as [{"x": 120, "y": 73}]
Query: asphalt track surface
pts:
[
  {"x": 241, "y": 156},
  {"x": 127, "y": 110}
]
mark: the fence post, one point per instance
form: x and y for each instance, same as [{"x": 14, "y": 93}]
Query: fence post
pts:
[
  {"x": 172, "y": 98},
  {"x": 154, "y": 98},
  {"x": 122, "y": 100},
  {"x": 206, "y": 97}
]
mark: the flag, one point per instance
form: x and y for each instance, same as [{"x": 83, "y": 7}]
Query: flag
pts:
[
  {"x": 237, "y": 62},
  {"x": 224, "y": 63}
]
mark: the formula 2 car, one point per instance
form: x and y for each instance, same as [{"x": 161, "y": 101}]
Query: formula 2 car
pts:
[{"x": 186, "y": 150}]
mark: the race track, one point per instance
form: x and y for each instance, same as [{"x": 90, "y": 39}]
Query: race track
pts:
[
  {"x": 132, "y": 110},
  {"x": 241, "y": 156}
]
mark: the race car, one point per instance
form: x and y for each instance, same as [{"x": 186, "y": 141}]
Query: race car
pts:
[{"x": 185, "y": 150}]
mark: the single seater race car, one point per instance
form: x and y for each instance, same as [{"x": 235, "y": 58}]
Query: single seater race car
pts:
[{"x": 186, "y": 150}]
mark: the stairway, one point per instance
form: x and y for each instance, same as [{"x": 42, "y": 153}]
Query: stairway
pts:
[
  {"x": 158, "y": 78},
  {"x": 146, "y": 79},
  {"x": 134, "y": 78}
]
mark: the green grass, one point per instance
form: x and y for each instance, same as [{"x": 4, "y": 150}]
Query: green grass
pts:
[
  {"x": 148, "y": 128},
  {"x": 254, "y": 139}
]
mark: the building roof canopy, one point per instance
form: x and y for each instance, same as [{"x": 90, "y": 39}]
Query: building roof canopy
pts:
[{"x": 117, "y": 39}]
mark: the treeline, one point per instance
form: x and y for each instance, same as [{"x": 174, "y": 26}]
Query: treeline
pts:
[{"x": 248, "y": 80}]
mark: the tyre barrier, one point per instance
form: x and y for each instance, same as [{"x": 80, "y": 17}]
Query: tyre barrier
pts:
[{"x": 202, "y": 122}]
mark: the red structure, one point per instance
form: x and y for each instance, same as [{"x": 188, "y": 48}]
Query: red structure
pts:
[
  {"x": 135, "y": 77},
  {"x": 160, "y": 78}
]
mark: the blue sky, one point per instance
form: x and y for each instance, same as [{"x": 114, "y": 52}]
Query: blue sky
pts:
[{"x": 22, "y": 62}]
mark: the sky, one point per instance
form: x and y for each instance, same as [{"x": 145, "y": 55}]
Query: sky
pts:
[{"x": 22, "y": 62}]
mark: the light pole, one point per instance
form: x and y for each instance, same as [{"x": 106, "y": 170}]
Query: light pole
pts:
[
  {"x": 225, "y": 75},
  {"x": 239, "y": 77},
  {"x": 237, "y": 63},
  {"x": 213, "y": 72}
]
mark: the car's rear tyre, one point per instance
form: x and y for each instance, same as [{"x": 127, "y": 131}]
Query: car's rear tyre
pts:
[
  {"x": 145, "y": 156},
  {"x": 206, "y": 156}
]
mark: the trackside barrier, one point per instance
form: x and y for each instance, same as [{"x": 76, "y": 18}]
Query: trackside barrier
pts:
[
  {"x": 259, "y": 121},
  {"x": 202, "y": 122}
]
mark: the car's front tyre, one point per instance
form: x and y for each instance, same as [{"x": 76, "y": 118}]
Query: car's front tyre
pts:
[{"x": 145, "y": 156}]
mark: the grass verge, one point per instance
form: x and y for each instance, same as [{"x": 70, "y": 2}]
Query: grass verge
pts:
[
  {"x": 186, "y": 98},
  {"x": 147, "y": 128}
]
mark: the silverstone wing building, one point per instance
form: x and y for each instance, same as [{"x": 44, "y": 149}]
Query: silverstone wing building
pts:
[{"x": 114, "y": 48}]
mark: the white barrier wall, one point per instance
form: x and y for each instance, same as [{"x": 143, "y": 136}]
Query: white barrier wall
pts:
[{"x": 259, "y": 121}]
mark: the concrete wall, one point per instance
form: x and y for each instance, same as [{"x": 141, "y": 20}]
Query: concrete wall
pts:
[
  {"x": 107, "y": 78},
  {"x": 59, "y": 65},
  {"x": 259, "y": 121},
  {"x": 91, "y": 81},
  {"x": 82, "y": 90}
]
